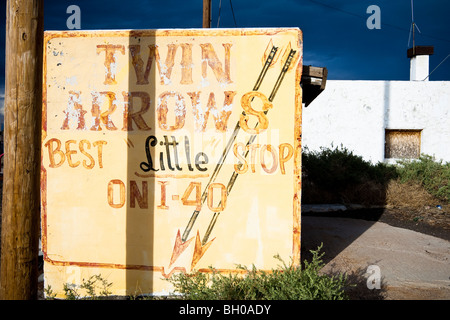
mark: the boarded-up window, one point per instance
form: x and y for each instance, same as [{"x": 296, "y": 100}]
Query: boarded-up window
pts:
[{"x": 402, "y": 144}]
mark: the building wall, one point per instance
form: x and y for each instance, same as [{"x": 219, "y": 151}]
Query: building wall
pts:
[{"x": 356, "y": 114}]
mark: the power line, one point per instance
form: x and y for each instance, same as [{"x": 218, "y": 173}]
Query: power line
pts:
[
  {"x": 437, "y": 67},
  {"x": 232, "y": 11},
  {"x": 337, "y": 9},
  {"x": 218, "y": 18}
]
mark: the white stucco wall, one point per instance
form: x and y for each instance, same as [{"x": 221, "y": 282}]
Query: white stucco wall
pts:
[{"x": 356, "y": 114}]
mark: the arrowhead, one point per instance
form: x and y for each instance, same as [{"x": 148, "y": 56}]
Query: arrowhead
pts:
[
  {"x": 267, "y": 53},
  {"x": 179, "y": 247},
  {"x": 199, "y": 250}
]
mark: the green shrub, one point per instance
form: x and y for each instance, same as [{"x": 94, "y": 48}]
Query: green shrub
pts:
[
  {"x": 433, "y": 175},
  {"x": 285, "y": 283},
  {"x": 337, "y": 168},
  {"x": 95, "y": 288},
  {"x": 338, "y": 175}
]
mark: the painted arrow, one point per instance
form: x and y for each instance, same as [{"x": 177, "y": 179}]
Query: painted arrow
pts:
[
  {"x": 179, "y": 247},
  {"x": 201, "y": 246},
  {"x": 229, "y": 145},
  {"x": 288, "y": 60},
  {"x": 199, "y": 249}
]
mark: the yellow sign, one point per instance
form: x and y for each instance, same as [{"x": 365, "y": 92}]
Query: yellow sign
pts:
[{"x": 169, "y": 151}]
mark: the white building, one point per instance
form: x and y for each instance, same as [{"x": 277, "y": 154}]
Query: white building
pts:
[{"x": 383, "y": 120}]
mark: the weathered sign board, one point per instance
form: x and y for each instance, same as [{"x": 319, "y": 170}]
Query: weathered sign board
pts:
[{"x": 169, "y": 151}]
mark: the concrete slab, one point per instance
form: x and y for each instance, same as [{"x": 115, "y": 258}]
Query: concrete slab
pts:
[{"x": 412, "y": 265}]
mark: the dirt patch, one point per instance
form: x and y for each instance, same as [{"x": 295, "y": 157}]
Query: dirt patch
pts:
[
  {"x": 415, "y": 293},
  {"x": 428, "y": 220},
  {"x": 410, "y": 206}
]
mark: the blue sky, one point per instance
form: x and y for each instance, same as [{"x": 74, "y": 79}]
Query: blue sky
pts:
[{"x": 335, "y": 32}]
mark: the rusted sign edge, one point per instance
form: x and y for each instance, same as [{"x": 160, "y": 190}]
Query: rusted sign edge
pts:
[
  {"x": 296, "y": 239},
  {"x": 142, "y": 267},
  {"x": 296, "y": 236},
  {"x": 50, "y": 34}
]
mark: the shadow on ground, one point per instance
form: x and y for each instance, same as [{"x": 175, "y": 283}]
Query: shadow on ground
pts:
[{"x": 335, "y": 239}]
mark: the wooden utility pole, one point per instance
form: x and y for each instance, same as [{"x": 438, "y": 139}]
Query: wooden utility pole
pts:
[
  {"x": 23, "y": 107},
  {"x": 206, "y": 13}
]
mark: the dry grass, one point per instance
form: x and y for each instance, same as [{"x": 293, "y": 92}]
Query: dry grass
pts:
[{"x": 409, "y": 194}]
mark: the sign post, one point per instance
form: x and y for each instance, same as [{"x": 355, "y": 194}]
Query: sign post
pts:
[
  {"x": 20, "y": 207},
  {"x": 169, "y": 151},
  {"x": 206, "y": 14}
]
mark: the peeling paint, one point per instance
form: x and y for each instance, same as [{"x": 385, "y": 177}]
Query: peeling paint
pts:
[{"x": 71, "y": 81}]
